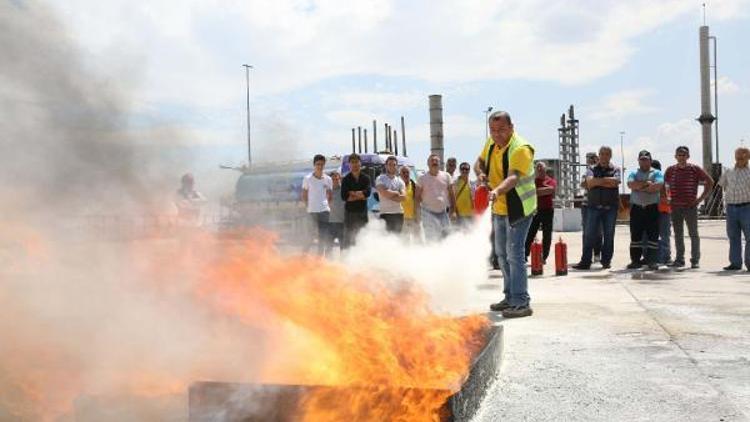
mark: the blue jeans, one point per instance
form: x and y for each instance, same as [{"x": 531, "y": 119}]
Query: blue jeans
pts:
[
  {"x": 510, "y": 243},
  {"x": 599, "y": 220},
  {"x": 435, "y": 225},
  {"x": 738, "y": 223},
  {"x": 598, "y": 244}
]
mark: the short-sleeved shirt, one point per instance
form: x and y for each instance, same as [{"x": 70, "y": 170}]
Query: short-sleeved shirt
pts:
[
  {"x": 683, "y": 184},
  {"x": 351, "y": 184},
  {"x": 545, "y": 202},
  {"x": 337, "y": 207},
  {"x": 317, "y": 198},
  {"x": 394, "y": 183},
  {"x": 736, "y": 184},
  {"x": 408, "y": 204},
  {"x": 435, "y": 191},
  {"x": 520, "y": 161},
  {"x": 645, "y": 198},
  {"x": 464, "y": 191}
]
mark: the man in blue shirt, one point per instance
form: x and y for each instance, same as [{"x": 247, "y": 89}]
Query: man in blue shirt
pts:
[{"x": 645, "y": 185}]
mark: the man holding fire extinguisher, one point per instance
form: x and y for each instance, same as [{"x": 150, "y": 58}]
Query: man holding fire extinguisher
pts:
[{"x": 507, "y": 164}]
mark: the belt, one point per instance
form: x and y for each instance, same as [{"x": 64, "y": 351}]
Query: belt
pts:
[{"x": 742, "y": 204}]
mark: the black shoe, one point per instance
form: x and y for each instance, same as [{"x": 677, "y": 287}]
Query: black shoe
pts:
[
  {"x": 678, "y": 264},
  {"x": 732, "y": 268},
  {"x": 653, "y": 267},
  {"x": 606, "y": 266},
  {"x": 518, "y": 312},
  {"x": 581, "y": 266},
  {"x": 634, "y": 266},
  {"x": 694, "y": 265},
  {"x": 500, "y": 306}
]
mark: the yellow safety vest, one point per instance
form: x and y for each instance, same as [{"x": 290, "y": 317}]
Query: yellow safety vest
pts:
[{"x": 521, "y": 200}]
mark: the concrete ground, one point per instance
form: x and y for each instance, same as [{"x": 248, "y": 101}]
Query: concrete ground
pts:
[{"x": 627, "y": 345}]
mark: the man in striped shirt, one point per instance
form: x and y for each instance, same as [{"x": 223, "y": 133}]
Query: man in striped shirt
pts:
[
  {"x": 682, "y": 181},
  {"x": 736, "y": 185}
]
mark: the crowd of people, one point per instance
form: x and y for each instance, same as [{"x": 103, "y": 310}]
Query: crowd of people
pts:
[{"x": 522, "y": 193}]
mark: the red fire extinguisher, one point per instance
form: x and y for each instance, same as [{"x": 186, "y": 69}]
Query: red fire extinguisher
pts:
[
  {"x": 481, "y": 199},
  {"x": 561, "y": 258},
  {"x": 537, "y": 266}
]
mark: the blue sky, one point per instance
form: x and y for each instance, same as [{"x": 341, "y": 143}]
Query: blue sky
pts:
[{"x": 323, "y": 67}]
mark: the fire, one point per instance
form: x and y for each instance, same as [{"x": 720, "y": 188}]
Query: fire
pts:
[
  {"x": 222, "y": 309},
  {"x": 336, "y": 326}
]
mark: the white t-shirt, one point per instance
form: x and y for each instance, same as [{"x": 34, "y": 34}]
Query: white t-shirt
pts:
[
  {"x": 388, "y": 206},
  {"x": 317, "y": 200},
  {"x": 435, "y": 191}
]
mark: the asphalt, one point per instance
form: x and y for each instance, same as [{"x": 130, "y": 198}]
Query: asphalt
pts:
[{"x": 627, "y": 345}]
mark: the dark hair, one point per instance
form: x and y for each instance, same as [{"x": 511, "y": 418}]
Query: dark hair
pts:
[
  {"x": 503, "y": 114},
  {"x": 319, "y": 157},
  {"x": 391, "y": 158},
  {"x": 354, "y": 157},
  {"x": 451, "y": 159},
  {"x": 656, "y": 164},
  {"x": 682, "y": 148},
  {"x": 464, "y": 163}
]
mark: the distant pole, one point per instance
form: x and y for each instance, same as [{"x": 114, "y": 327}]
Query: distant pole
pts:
[
  {"x": 403, "y": 135},
  {"x": 375, "y": 136},
  {"x": 395, "y": 142},
  {"x": 365, "y": 132},
  {"x": 716, "y": 97},
  {"x": 486, "y": 122},
  {"x": 622, "y": 167},
  {"x": 354, "y": 141},
  {"x": 359, "y": 138},
  {"x": 247, "y": 83}
]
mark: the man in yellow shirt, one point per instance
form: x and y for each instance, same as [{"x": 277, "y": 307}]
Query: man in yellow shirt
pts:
[
  {"x": 464, "y": 189},
  {"x": 411, "y": 219},
  {"x": 506, "y": 163}
]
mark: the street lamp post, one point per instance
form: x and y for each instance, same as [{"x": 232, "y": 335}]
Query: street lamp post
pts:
[
  {"x": 247, "y": 81},
  {"x": 486, "y": 123},
  {"x": 622, "y": 167}
]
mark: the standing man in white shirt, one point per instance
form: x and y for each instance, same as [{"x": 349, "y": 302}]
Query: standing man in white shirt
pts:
[
  {"x": 317, "y": 189},
  {"x": 736, "y": 185},
  {"x": 392, "y": 192},
  {"x": 436, "y": 200}
]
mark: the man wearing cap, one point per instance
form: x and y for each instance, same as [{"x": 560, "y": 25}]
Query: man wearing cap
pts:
[
  {"x": 736, "y": 185},
  {"x": 645, "y": 184},
  {"x": 507, "y": 163},
  {"x": 682, "y": 180},
  {"x": 603, "y": 199}
]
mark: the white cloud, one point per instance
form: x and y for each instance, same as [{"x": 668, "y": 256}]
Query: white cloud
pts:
[
  {"x": 621, "y": 104},
  {"x": 193, "y": 52},
  {"x": 727, "y": 86}
]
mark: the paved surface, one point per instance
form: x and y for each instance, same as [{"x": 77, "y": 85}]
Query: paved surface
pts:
[{"x": 622, "y": 345}]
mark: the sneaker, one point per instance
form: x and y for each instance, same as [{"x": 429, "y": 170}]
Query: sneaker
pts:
[
  {"x": 606, "y": 266},
  {"x": 678, "y": 264},
  {"x": 581, "y": 266},
  {"x": 668, "y": 262},
  {"x": 694, "y": 265},
  {"x": 731, "y": 267},
  {"x": 500, "y": 306},
  {"x": 518, "y": 312},
  {"x": 634, "y": 266}
]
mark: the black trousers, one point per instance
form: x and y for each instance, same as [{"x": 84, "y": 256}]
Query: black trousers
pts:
[
  {"x": 353, "y": 223},
  {"x": 644, "y": 221},
  {"x": 394, "y": 223},
  {"x": 543, "y": 219}
]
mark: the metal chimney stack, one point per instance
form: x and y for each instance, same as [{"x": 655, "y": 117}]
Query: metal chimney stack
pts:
[
  {"x": 436, "y": 126},
  {"x": 706, "y": 118}
]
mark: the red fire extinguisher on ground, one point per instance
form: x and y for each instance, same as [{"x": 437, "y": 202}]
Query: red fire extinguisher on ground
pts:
[
  {"x": 561, "y": 258},
  {"x": 481, "y": 199},
  {"x": 537, "y": 266}
]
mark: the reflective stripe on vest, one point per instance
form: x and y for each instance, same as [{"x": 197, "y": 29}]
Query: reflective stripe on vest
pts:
[{"x": 521, "y": 200}]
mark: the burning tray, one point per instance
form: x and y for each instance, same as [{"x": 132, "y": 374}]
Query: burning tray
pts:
[{"x": 234, "y": 402}]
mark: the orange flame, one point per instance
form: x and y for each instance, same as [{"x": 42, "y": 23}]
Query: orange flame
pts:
[{"x": 333, "y": 325}]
